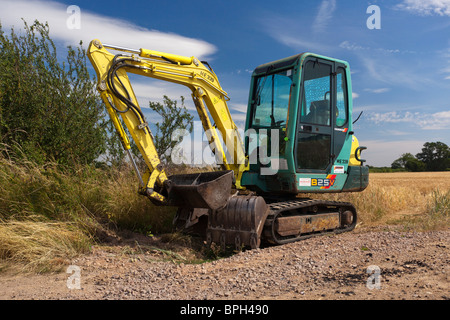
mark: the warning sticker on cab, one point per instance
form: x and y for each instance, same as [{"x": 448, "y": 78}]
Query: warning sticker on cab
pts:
[
  {"x": 339, "y": 169},
  {"x": 305, "y": 182}
]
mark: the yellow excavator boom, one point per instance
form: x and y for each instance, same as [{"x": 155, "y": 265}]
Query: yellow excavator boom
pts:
[{"x": 117, "y": 93}]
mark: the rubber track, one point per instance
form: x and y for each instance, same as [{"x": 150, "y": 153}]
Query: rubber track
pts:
[{"x": 278, "y": 208}]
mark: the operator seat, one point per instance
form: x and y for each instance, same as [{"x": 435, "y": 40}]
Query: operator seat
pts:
[{"x": 319, "y": 112}]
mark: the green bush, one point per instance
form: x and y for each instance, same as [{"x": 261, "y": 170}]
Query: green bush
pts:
[{"x": 49, "y": 110}]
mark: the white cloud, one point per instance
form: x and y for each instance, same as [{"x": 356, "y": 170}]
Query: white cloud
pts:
[
  {"x": 296, "y": 43},
  {"x": 324, "y": 15},
  {"x": 351, "y": 46},
  {"x": 366, "y": 108},
  {"x": 394, "y": 72},
  {"x": 291, "y": 32},
  {"x": 392, "y": 67},
  {"x": 380, "y": 90},
  {"x": 239, "y": 107},
  {"x": 445, "y": 54},
  {"x": 94, "y": 26},
  {"x": 355, "y": 47},
  {"x": 426, "y": 121},
  {"x": 426, "y": 7},
  {"x": 393, "y": 117},
  {"x": 435, "y": 121},
  {"x": 247, "y": 71}
]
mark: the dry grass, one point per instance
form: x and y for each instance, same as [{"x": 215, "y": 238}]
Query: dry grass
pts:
[
  {"x": 417, "y": 200},
  {"x": 40, "y": 246},
  {"x": 48, "y": 215}
]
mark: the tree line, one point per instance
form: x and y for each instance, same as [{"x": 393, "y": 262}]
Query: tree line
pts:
[{"x": 435, "y": 156}]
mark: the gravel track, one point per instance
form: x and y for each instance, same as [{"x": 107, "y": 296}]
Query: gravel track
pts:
[{"x": 412, "y": 266}]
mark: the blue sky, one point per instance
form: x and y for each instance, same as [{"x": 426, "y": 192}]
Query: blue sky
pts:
[{"x": 400, "y": 73}]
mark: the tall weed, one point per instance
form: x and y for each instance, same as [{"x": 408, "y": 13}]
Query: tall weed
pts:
[
  {"x": 48, "y": 212},
  {"x": 438, "y": 210}
]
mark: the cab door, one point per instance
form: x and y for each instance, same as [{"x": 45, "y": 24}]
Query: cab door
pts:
[
  {"x": 341, "y": 111},
  {"x": 314, "y": 129},
  {"x": 323, "y": 115}
]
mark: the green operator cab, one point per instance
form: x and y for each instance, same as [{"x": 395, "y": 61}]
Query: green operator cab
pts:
[{"x": 299, "y": 128}]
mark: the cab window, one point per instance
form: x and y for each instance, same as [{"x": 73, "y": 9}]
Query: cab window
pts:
[
  {"x": 316, "y": 100},
  {"x": 341, "y": 98}
]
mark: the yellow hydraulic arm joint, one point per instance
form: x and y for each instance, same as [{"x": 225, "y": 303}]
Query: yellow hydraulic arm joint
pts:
[{"x": 118, "y": 95}]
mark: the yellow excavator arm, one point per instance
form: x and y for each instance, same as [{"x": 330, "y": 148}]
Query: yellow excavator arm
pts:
[{"x": 208, "y": 96}]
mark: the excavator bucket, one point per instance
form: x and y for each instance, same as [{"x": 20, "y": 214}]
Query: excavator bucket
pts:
[
  {"x": 237, "y": 220},
  {"x": 240, "y": 223},
  {"x": 209, "y": 190}
]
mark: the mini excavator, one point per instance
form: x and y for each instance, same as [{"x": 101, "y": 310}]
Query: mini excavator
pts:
[{"x": 298, "y": 140}]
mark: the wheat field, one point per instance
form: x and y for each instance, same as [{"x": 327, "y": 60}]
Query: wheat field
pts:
[{"x": 417, "y": 200}]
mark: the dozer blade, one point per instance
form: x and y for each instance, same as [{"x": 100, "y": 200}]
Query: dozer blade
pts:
[{"x": 209, "y": 190}]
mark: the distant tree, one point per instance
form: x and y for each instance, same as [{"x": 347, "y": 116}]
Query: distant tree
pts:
[
  {"x": 435, "y": 156},
  {"x": 415, "y": 165},
  {"x": 401, "y": 162},
  {"x": 173, "y": 117},
  {"x": 49, "y": 111}
]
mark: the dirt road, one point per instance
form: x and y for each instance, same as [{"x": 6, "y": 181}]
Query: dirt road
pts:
[{"x": 381, "y": 263}]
